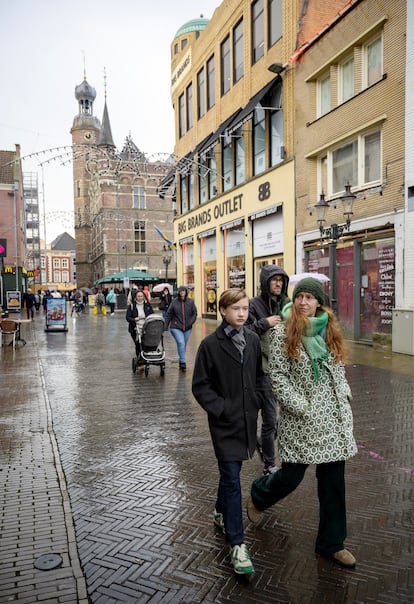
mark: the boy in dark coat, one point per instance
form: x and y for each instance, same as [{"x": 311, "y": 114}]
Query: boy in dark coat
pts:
[{"x": 229, "y": 383}]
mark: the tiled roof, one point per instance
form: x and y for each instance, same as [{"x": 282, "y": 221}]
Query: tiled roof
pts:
[{"x": 316, "y": 15}]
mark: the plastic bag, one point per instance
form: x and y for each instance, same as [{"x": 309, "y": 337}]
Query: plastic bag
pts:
[
  {"x": 95, "y": 310},
  {"x": 104, "y": 310}
]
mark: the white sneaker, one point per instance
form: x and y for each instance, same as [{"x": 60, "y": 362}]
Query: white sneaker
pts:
[{"x": 241, "y": 560}]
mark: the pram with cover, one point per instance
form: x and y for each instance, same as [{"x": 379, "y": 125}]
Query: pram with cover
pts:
[{"x": 150, "y": 344}]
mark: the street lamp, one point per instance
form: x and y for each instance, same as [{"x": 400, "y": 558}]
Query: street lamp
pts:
[
  {"x": 333, "y": 233},
  {"x": 166, "y": 258},
  {"x": 124, "y": 246}
]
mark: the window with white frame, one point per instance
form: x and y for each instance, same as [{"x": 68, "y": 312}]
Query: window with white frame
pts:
[
  {"x": 138, "y": 198},
  {"x": 139, "y": 237},
  {"x": 202, "y": 179},
  {"x": 357, "y": 162},
  {"x": 191, "y": 191},
  {"x": 56, "y": 276},
  {"x": 56, "y": 262},
  {"x": 65, "y": 263},
  {"x": 183, "y": 194},
  {"x": 65, "y": 277},
  {"x": 346, "y": 80},
  {"x": 324, "y": 93},
  {"x": 373, "y": 67}
]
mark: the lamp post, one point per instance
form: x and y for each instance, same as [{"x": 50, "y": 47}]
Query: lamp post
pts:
[
  {"x": 333, "y": 233},
  {"x": 166, "y": 258}
]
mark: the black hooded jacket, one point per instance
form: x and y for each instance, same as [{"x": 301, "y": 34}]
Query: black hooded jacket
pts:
[{"x": 264, "y": 306}]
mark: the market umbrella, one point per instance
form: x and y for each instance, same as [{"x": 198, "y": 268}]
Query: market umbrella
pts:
[
  {"x": 299, "y": 276},
  {"x": 161, "y": 286},
  {"x": 87, "y": 290}
]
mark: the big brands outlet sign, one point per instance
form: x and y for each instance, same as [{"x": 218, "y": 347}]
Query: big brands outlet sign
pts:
[{"x": 204, "y": 217}]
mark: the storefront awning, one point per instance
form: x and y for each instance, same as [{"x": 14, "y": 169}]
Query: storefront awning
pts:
[
  {"x": 213, "y": 139},
  {"x": 247, "y": 111}
]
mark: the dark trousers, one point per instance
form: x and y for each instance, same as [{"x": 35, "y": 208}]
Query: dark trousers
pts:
[
  {"x": 229, "y": 500},
  {"x": 268, "y": 431},
  {"x": 268, "y": 490}
]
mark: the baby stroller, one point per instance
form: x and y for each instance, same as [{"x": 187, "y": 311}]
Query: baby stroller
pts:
[{"x": 150, "y": 342}]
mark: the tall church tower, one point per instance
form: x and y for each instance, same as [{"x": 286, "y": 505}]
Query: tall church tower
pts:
[{"x": 85, "y": 133}]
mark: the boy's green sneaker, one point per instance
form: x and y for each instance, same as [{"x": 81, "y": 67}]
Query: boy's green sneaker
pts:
[
  {"x": 219, "y": 520},
  {"x": 241, "y": 560}
]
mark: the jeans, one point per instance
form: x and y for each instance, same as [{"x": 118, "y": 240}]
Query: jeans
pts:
[
  {"x": 229, "y": 501},
  {"x": 268, "y": 490},
  {"x": 181, "y": 338}
]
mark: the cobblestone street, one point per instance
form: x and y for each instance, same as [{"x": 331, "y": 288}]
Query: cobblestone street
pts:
[{"x": 115, "y": 472}]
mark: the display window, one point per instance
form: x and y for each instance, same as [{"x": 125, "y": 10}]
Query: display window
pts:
[
  {"x": 208, "y": 247},
  {"x": 234, "y": 250},
  {"x": 187, "y": 251},
  {"x": 377, "y": 286}
]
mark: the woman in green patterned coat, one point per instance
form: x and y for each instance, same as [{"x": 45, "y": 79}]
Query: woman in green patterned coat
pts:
[{"x": 307, "y": 373}]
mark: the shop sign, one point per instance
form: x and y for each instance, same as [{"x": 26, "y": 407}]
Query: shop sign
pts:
[{"x": 204, "y": 217}]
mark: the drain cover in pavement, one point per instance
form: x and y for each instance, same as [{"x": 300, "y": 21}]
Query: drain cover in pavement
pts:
[{"x": 48, "y": 561}]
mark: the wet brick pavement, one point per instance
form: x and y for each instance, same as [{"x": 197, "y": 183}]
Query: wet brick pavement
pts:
[{"x": 115, "y": 473}]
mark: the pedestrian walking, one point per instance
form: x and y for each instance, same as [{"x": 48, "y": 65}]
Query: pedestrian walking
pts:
[
  {"x": 165, "y": 301},
  {"x": 181, "y": 315},
  {"x": 264, "y": 313},
  {"x": 229, "y": 383},
  {"x": 111, "y": 300},
  {"x": 99, "y": 302},
  {"x": 135, "y": 315},
  {"x": 30, "y": 303},
  {"x": 306, "y": 370}
]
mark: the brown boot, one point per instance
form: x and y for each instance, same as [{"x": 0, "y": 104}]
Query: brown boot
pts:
[
  {"x": 343, "y": 558},
  {"x": 253, "y": 514}
]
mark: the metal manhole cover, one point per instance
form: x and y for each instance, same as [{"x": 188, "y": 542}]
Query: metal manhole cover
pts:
[{"x": 48, "y": 561}]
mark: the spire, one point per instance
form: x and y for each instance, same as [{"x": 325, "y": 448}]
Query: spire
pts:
[{"x": 105, "y": 136}]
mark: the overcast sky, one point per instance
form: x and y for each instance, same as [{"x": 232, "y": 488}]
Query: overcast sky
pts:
[{"x": 44, "y": 45}]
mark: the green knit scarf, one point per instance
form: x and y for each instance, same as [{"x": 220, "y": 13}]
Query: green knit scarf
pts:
[{"x": 314, "y": 340}]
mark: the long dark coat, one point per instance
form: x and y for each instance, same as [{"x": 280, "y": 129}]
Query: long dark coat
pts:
[{"x": 231, "y": 392}]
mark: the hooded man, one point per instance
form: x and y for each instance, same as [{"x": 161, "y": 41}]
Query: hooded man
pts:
[{"x": 264, "y": 312}]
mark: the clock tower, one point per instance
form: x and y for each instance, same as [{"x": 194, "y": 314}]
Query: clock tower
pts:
[{"x": 85, "y": 133}]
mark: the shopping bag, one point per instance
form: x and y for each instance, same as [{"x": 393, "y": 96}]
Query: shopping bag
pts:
[
  {"x": 104, "y": 310},
  {"x": 95, "y": 310}
]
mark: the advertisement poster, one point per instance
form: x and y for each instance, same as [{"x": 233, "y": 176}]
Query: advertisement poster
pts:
[
  {"x": 56, "y": 312},
  {"x": 13, "y": 301}
]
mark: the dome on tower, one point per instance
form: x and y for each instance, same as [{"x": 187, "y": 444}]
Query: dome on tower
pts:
[
  {"x": 85, "y": 91},
  {"x": 193, "y": 25}
]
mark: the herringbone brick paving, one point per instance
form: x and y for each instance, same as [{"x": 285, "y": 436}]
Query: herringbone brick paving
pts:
[{"x": 142, "y": 478}]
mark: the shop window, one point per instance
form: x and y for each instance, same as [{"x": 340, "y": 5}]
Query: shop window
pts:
[
  {"x": 209, "y": 264},
  {"x": 139, "y": 237},
  {"x": 238, "y": 52},
  {"x": 191, "y": 191},
  {"x": 257, "y": 31},
  {"x": 211, "y": 83},
  {"x": 234, "y": 249},
  {"x": 202, "y": 180},
  {"x": 187, "y": 256},
  {"x": 274, "y": 21}
]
